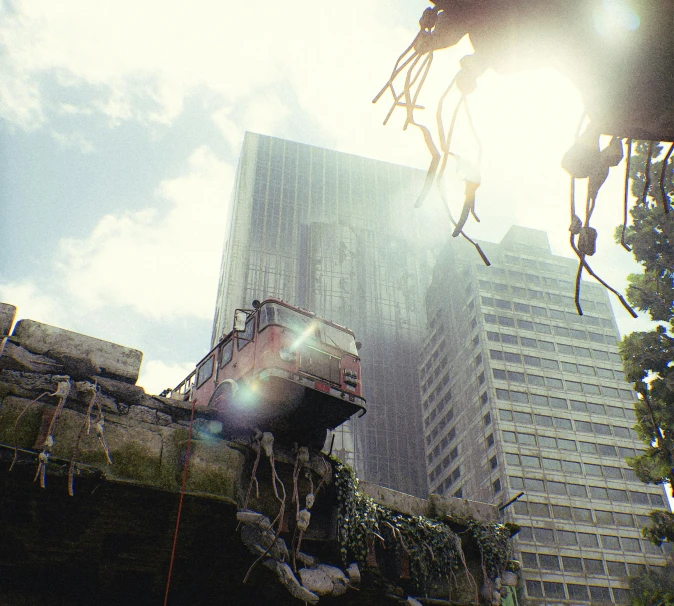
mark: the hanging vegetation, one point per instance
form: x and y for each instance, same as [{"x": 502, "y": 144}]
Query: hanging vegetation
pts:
[{"x": 431, "y": 547}]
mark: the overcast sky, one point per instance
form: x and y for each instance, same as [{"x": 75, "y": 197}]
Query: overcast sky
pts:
[{"x": 121, "y": 124}]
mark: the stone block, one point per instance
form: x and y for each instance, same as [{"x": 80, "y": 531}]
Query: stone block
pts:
[
  {"x": 17, "y": 358},
  {"x": 324, "y": 580},
  {"x": 113, "y": 360},
  {"x": 7, "y": 314}
]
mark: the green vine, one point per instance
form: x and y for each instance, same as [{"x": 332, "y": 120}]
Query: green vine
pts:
[
  {"x": 434, "y": 550},
  {"x": 432, "y": 547},
  {"x": 493, "y": 541}
]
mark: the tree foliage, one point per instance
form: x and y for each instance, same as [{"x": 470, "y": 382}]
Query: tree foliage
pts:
[
  {"x": 648, "y": 356},
  {"x": 653, "y": 588}
]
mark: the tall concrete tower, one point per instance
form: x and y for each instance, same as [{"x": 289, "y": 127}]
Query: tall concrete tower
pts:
[
  {"x": 521, "y": 394},
  {"x": 337, "y": 234}
]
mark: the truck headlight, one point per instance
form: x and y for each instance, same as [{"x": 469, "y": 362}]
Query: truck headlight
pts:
[{"x": 287, "y": 355}]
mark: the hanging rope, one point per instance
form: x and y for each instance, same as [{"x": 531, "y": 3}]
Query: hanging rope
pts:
[
  {"x": 663, "y": 174},
  {"x": 268, "y": 447},
  {"x": 180, "y": 503},
  {"x": 16, "y": 426},
  {"x": 647, "y": 173},
  {"x": 62, "y": 392},
  {"x": 627, "y": 195},
  {"x": 86, "y": 424}
]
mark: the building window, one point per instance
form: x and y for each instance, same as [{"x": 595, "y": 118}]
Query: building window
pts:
[
  {"x": 486, "y": 419},
  {"x": 600, "y": 594},
  {"x": 496, "y": 486},
  {"x": 490, "y": 440},
  {"x": 577, "y": 592},
  {"x": 493, "y": 464},
  {"x": 534, "y": 589},
  {"x": 554, "y": 590}
]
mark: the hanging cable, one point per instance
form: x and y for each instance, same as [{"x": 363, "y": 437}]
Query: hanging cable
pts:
[
  {"x": 663, "y": 175},
  {"x": 627, "y": 195},
  {"x": 180, "y": 504}
]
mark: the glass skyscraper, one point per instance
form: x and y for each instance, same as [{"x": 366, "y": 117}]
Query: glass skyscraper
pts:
[
  {"x": 521, "y": 394},
  {"x": 337, "y": 234}
]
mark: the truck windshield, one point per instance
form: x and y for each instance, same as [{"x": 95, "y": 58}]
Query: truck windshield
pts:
[{"x": 310, "y": 328}]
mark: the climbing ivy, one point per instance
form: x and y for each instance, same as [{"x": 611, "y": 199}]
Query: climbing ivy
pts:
[
  {"x": 492, "y": 540},
  {"x": 432, "y": 547},
  {"x": 434, "y": 550}
]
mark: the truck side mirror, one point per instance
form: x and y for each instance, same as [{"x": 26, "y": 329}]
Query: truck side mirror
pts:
[{"x": 240, "y": 318}]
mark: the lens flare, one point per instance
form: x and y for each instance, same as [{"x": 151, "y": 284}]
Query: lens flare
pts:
[
  {"x": 309, "y": 331},
  {"x": 615, "y": 17}
]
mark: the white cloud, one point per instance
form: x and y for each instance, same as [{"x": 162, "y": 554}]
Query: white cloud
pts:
[
  {"x": 160, "y": 263},
  {"x": 31, "y": 302},
  {"x": 156, "y": 375},
  {"x": 266, "y": 114}
]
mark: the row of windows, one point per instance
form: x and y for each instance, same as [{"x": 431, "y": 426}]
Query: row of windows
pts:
[
  {"x": 583, "y": 593},
  {"x": 600, "y": 429},
  {"x": 444, "y": 464},
  {"x": 588, "y": 469},
  {"x": 439, "y": 387},
  {"x": 430, "y": 344},
  {"x": 581, "y": 515},
  {"x": 569, "y": 538},
  {"x": 603, "y": 450},
  {"x": 615, "y": 495},
  {"x": 451, "y": 434},
  {"x": 449, "y": 481},
  {"x": 519, "y": 277},
  {"x": 548, "y": 297},
  {"x": 565, "y": 285},
  {"x": 521, "y": 397},
  {"x": 560, "y": 331},
  {"x": 590, "y": 389},
  {"x": 588, "y": 566},
  {"x": 536, "y": 310},
  {"x": 582, "y": 352},
  {"x": 427, "y": 367},
  {"x": 447, "y": 417},
  {"x": 583, "y": 369}
]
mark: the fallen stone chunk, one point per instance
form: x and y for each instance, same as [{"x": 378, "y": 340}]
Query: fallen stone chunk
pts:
[
  {"x": 306, "y": 559},
  {"x": 7, "y": 314},
  {"x": 112, "y": 359},
  {"x": 290, "y": 582},
  {"x": 247, "y": 516},
  {"x": 353, "y": 573},
  {"x": 18, "y": 358},
  {"x": 129, "y": 394},
  {"x": 258, "y": 541},
  {"x": 141, "y": 413},
  {"x": 324, "y": 580},
  {"x": 413, "y": 602}
]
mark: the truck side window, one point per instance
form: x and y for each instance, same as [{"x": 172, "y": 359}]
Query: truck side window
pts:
[
  {"x": 205, "y": 371},
  {"x": 247, "y": 335},
  {"x": 227, "y": 352}
]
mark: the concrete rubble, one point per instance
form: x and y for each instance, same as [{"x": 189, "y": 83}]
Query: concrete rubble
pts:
[{"x": 105, "y": 438}]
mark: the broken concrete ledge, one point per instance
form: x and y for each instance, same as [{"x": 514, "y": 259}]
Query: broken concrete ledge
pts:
[
  {"x": 436, "y": 506},
  {"x": 103, "y": 357}
]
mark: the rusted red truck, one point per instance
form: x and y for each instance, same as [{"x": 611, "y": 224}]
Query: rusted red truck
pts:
[{"x": 281, "y": 369}]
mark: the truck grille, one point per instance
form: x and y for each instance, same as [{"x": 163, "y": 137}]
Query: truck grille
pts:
[{"x": 320, "y": 364}]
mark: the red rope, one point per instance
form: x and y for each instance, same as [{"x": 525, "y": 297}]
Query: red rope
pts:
[{"x": 180, "y": 504}]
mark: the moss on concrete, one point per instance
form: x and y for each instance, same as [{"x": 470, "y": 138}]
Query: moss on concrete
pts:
[{"x": 29, "y": 425}]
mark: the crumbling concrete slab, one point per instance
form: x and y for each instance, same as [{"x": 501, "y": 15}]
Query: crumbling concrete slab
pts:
[
  {"x": 436, "y": 506},
  {"x": 7, "y": 314},
  {"x": 17, "y": 358},
  {"x": 108, "y": 358}
]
